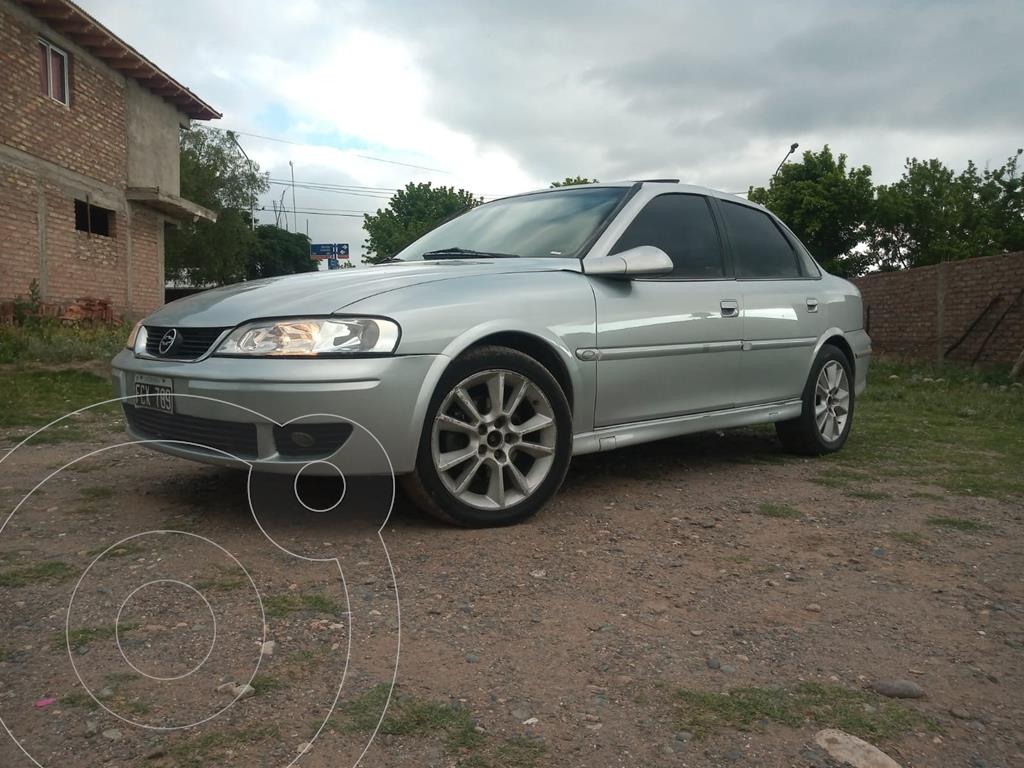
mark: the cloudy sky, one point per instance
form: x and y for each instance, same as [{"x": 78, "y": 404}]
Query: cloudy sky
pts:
[{"x": 504, "y": 97}]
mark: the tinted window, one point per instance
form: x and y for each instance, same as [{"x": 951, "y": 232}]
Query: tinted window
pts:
[
  {"x": 758, "y": 246},
  {"x": 682, "y": 226}
]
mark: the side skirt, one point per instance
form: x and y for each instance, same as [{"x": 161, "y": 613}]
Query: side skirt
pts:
[{"x": 618, "y": 436}]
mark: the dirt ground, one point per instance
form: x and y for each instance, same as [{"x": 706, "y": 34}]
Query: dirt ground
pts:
[{"x": 597, "y": 634}]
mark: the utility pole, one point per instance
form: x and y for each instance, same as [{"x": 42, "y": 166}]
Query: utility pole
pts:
[
  {"x": 252, "y": 209},
  {"x": 295, "y": 212},
  {"x": 792, "y": 149}
]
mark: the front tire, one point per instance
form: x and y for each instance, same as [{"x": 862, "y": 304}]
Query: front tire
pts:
[
  {"x": 827, "y": 415},
  {"x": 496, "y": 440}
]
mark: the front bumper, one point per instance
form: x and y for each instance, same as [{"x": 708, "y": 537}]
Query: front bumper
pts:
[{"x": 383, "y": 398}]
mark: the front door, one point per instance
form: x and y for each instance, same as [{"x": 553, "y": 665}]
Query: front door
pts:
[{"x": 668, "y": 345}]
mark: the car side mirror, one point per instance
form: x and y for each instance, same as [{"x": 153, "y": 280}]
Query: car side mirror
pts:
[{"x": 642, "y": 261}]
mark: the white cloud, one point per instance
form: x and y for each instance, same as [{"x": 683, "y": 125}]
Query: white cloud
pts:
[{"x": 506, "y": 96}]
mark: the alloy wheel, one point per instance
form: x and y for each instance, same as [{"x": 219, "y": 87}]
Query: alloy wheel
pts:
[
  {"x": 832, "y": 401},
  {"x": 493, "y": 439}
]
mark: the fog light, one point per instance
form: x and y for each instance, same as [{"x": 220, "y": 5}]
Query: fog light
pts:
[{"x": 303, "y": 439}]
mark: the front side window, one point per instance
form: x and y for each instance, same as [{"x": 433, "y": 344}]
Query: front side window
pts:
[
  {"x": 53, "y": 72},
  {"x": 553, "y": 224},
  {"x": 759, "y": 248},
  {"x": 683, "y": 227}
]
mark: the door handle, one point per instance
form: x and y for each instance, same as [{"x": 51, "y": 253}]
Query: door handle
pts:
[
  {"x": 812, "y": 305},
  {"x": 730, "y": 307}
]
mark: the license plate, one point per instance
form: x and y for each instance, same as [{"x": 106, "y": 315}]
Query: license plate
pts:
[{"x": 155, "y": 392}]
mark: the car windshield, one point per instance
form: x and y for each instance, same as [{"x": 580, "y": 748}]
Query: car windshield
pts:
[{"x": 546, "y": 224}]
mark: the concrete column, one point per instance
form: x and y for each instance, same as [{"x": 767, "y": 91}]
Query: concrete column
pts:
[
  {"x": 41, "y": 224},
  {"x": 940, "y": 311}
]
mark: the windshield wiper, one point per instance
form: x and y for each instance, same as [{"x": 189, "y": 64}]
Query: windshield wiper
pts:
[{"x": 466, "y": 253}]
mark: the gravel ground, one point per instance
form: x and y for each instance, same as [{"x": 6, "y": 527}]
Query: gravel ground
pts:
[{"x": 600, "y": 633}]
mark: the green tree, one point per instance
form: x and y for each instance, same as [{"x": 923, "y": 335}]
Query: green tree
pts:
[
  {"x": 411, "y": 213},
  {"x": 827, "y": 205},
  {"x": 571, "y": 181},
  {"x": 278, "y": 252},
  {"x": 215, "y": 175},
  {"x": 932, "y": 214}
]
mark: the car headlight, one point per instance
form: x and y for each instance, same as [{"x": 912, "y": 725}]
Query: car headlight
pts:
[
  {"x": 312, "y": 337},
  {"x": 137, "y": 338}
]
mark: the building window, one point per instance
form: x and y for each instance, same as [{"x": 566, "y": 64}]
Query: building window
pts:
[
  {"x": 53, "y": 72},
  {"x": 93, "y": 219}
]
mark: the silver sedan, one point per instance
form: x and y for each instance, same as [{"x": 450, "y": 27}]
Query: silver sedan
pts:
[{"x": 528, "y": 330}]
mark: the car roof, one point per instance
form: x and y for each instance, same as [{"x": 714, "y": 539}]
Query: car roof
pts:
[{"x": 658, "y": 185}]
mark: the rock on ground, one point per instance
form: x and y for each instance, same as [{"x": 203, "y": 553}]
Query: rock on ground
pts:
[
  {"x": 850, "y": 750},
  {"x": 898, "y": 689}
]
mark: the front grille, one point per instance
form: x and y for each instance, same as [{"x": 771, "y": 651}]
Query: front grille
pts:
[
  {"x": 191, "y": 342},
  {"x": 234, "y": 437},
  {"x": 311, "y": 439}
]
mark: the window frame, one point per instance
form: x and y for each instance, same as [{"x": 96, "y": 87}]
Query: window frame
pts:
[
  {"x": 723, "y": 251},
  {"x": 798, "y": 256},
  {"x": 88, "y": 207},
  {"x": 50, "y": 50}
]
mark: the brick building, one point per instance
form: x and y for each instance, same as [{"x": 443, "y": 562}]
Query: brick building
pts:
[{"x": 89, "y": 166}]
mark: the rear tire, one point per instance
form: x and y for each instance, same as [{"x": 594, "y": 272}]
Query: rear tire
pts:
[
  {"x": 496, "y": 441},
  {"x": 827, "y": 415}
]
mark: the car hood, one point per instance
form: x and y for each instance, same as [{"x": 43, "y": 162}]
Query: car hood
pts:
[{"x": 323, "y": 293}]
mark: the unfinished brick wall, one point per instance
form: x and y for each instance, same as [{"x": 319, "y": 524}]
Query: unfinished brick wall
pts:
[
  {"x": 89, "y": 136},
  {"x": 54, "y": 154},
  {"x": 80, "y": 264},
  {"x": 921, "y": 313},
  {"x": 19, "y": 234}
]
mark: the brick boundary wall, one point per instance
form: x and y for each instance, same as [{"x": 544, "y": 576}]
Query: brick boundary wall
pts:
[{"x": 920, "y": 313}]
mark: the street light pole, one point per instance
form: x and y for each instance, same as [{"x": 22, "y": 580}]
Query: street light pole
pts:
[
  {"x": 252, "y": 209},
  {"x": 792, "y": 149},
  {"x": 295, "y": 212}
]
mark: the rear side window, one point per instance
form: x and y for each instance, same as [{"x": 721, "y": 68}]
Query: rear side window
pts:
[
  {"x": 683, "y": 227},
  {"x": 759, "y": 248}
]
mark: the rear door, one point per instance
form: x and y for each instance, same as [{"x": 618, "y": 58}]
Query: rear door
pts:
[
  {"x": 782, "y": 320},
  {"x": 668, "y": 345}
]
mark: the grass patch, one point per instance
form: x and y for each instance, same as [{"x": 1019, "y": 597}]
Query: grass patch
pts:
[
  {"x": 962, "y": 433},
  {"x": 50, "y": 572},
  {"x": 50, "y": 342},
  {"x": 124, "y": 550},
  {"x": 279, "y": 606},
  {"x": 34, "y": 397},
  {"x": 224, "y": 584},
  {"x": 775, "y": 509},
  {"x": 824, "y": 706},
  {"x": 83, "y": 636},
  {"x": 869, "y": 495},
  {"x": 958, "y": 524},
  {"x": 96, "y": 492},
  {"x": 839, "y": 482},
  {"x": 265, "y": 684},
  {"x": 519, "y": 752},
  {"x": 79, "y": 700},
  {"x": 202, "y": 751},
  {"x": 912, "y": 538},
  {"x": 408, "y": 716}
]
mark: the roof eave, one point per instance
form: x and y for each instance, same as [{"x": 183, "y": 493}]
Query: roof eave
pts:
[{"x": 81, "y": 28}]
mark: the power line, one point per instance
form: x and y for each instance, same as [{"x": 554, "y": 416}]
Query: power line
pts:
[
  {"x": 311, "y": 144},
  {"x": 320, "y": 213}
]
